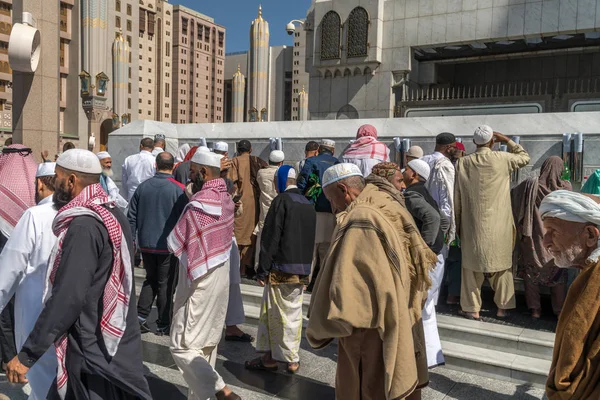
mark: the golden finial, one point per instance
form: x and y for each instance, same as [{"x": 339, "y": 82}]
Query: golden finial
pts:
[
  {"x": 238, "y": 68},
  {"x": 260, "y": 11}
]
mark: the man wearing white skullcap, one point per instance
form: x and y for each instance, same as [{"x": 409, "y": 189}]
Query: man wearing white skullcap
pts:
[
  {"x": 107, "y": 183},
  {"x": 221, "y": 148},
  {"x": 309, "y": 182},
  {"x": 24, "y": 261},
  {"x": 202, "y": 241},
  {"x": 431, "y": 224},
  {"x": 285, "y": 261},
  {"x": 138, "y": 167},
  {"x": 89, "y": 311},
  {"x": 365, "y": 250},
  {"x": 571, "y": 221},
  {"x": 484, "y": 219},
  {"x": 414, "y": 153}
]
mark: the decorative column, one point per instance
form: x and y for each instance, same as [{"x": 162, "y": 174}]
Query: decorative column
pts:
[
  {"x": 238, "y": 92},
  {"x": 258, "y": 60},
  {"x": 121, "y": 53},
  {"x": 303, "y": 105}
]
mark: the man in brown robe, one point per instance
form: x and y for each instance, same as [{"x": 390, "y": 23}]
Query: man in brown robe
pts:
[
  {"x": 362, "y": 294},
  {"x": 571, "y": 222},
  {"x": 243, "y": 172}
]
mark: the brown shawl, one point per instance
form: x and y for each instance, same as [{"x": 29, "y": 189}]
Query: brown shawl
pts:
[
  {"x": 575, "y": 370},
  {"x": 365, "y": 284},
  {"x": 534, "y": 262}
]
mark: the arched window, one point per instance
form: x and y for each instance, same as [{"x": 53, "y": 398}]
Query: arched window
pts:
[
  {"x": 358, "y": 32},
  {"x": 330, "y": 36}
]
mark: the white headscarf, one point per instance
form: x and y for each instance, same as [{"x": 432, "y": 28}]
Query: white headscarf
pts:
[
  {"x": 182, "y": 152},
  {"x": 572, "y": 207}
]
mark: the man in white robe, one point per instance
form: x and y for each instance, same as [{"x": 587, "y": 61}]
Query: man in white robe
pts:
[
  {"x": 24, "y": 262},
  {"x": 160, "y": 145},
  {"x": 200, "y": 304},
  {"x": 137, "y": 168},
  {"x": 107, "y": 183}
]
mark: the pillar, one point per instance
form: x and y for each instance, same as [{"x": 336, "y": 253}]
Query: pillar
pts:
[
  {"x": 303, "y": 105},
  {"x": 258, "y": 60},
  {"x": 238, "y": 93}
]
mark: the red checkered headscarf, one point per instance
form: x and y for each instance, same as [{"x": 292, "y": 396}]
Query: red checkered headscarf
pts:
[
  {"x": 115, "y": 302},
  {"x": 202, "y": 238},
  {"x": 367, "y": 146},
  {"x": 17, "y": 187}
]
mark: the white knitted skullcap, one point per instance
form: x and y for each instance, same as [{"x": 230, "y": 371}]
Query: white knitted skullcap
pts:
[
  {"x": 102, "y": 155},
  {"x": 207, "y": 158},
  {"x": 80, "y": 160},
  {"x": 221, "y": 146},
  {"x": 45, "y": 169},
  {"x": 203, "y": 149},
  {"x": 483, "y": 134},
  {"x": 339, "y": 172},
  {"x": 328, "y": 143},
  {"x": 415, "y": 151},
  {"x": 276, "y": 156},
  {"x": 421, "y": 168}
]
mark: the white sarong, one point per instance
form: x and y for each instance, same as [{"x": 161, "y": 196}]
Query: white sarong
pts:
[
  {"x": 435, "y": 356},
  {"x": 280, "y": 323}
]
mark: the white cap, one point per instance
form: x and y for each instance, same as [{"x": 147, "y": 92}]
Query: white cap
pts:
[
  {"x": 276, "y": 156},
  {"x": 339, "y": 172},
  {"x": 421, "y": 168},
  {"x": 291, "y": 173},
  {"x": 328, "y": 143},
  {"x": 221, "y": 146},
  {"x": 207, "y": 158},
  {"x": 102, "y": 155},
  {"x": 483, "y": 134},
  {"x": 80, "y": 160},
  {"x": 203, "y": 149},
  {"x": 45, "y": 169},
  {"x": 415, "y": 151}
]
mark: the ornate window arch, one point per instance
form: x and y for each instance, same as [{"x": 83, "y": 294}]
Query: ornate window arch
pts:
[
  {"x": 358, "y": 32},
  {"x": 330, "y": 36}
]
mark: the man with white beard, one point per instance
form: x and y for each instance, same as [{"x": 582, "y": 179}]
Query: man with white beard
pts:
[
  {"x": 571, "y": 223},
  {"x": 107, "y": 183}
]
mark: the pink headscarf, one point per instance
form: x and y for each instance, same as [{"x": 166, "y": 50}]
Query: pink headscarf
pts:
[
  {"x": 367, "y": 146},
  {"x": 17, "y": 189}
]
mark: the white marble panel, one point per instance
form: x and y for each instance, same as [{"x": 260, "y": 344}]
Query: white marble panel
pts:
[
  {"x": 372, "y": 93},
  {"x": 412, "y": 9},
  {"x": 438, "y": 29},
  {"x": 411, "y": 32},
  {"x": 454, "y": 6},
  {"x": 516, "y": 20},
  {"x": 485, "y": 4},
  {"x": 567, "y": 16},
  {"x": 388, "y": 10},
  {"x": 533, "y": 18},
  {"x": 597, "y": 13},
  {"x": 440, "y": 7},
  {"x": 388, "y": 34},
  {"x": 484, "y": 24},
  {"x": 550, "y": 10},
  {"x": 586, "y": 14},
  {"x": 385, "y": 98},
  {"x": 514, "y": 2},
  {"x": 468, "y": 25},
  {"x": 401, "y": 59},
  {"x": 387, "y": 59},
  {"x": 325, "y": 91},
  {"x": 399, "y": 8},
  {"x": 424, "y": 35},
  {"x": 500, "y": 3},
  {"x": 499, "y": 22},
  {"x": 399, "y": 35},
  {"x": 453, "y": 22},
  {"x": 340, "y": 95},
  {"x": 425, "y": 8},
  {"x": 468, "y": 5}
]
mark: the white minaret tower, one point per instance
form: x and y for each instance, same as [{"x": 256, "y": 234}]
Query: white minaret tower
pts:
[
  {"x": 258, "y": 60},
  {"x": 302, "y": 105},
  {"x": 121, "y": 52},
  {"x": 238, "y": 92}
]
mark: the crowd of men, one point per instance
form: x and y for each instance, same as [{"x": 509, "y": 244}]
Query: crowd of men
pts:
[{"x": 373, "y": 241}]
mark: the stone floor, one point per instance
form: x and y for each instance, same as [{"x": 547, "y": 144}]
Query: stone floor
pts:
[{"x": 314, "y": 381}]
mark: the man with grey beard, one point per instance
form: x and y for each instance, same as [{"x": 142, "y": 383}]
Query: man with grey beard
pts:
[
  {"x": 571, "y": 224},
  {"x": 107, "y": 183}
]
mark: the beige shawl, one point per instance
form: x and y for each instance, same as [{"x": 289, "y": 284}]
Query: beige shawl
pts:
[{"x": 365, "y": 284}]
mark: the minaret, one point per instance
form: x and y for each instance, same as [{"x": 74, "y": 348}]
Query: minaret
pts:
[
  {"x": 120, "y": 79},
  {"x": 95, "y": 37},
  {"x": 303, "y": 105},
  {"x": 238, "y": 92},
  {"x": 258, "y": 60}
]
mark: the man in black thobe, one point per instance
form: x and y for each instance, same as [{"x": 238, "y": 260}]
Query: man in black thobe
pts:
[{"x": 75, "y": 307}]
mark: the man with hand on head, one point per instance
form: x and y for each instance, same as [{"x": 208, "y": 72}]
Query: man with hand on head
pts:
[
  {"x": 24, "y": 262},
  {"x": 89, "y": 311}
]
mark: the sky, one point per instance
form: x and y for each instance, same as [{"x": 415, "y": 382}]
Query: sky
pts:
[{"x": 236, "y": 16}]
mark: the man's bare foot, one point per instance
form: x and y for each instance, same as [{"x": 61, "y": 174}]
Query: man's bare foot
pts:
[
  {"x": 502, "y": 313},
  {"x": 453, "y": 300},
  {"x": 293, "y": 367},
  {"x": 469, "y": 315},
  {"x": 235, "y": 334},
  {"x": 536, "y": 313},
  {"x": 227, "y": 394}
]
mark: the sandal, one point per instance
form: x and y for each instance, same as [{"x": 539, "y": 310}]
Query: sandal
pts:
[
  {"x": 245, "y": 338},
  {"x": 258, "y": 365},
  {"x": 468, "y": 316},
  {"x": 293, "y": 367}
]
